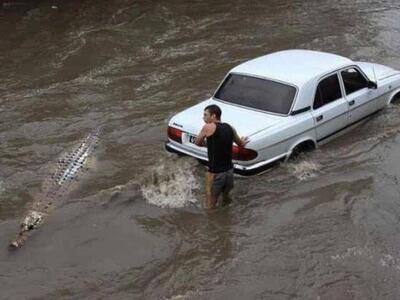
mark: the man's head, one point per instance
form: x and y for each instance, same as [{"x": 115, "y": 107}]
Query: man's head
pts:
[{"x": 212, "y": 113}]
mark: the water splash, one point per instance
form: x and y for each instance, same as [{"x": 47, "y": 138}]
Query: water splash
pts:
[
  {"x": 384, "y": 260},
  {"x": 171, "y": 184},
  {"x": 186, "y": 296},
  {"x": 353, "y": 252},
  {"x": 303, "y": 169}
]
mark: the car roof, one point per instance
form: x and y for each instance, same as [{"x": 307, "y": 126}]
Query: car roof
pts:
[{"x": 293, "y": 66}]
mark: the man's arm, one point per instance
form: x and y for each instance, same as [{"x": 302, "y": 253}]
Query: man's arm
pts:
[
  {"x": 207, "y": 130},
  {"x": 241, "y": 142},
  {"x": 201, "y": 137}
]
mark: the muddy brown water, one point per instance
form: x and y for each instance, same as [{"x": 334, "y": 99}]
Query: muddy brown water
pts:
[{"x": 323, "y": 227}]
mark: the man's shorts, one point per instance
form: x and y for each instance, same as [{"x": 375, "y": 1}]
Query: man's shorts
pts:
[{"x": 220, "y": 182}]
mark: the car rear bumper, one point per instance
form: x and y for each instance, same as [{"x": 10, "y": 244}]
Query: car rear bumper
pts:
[{"x": 238, "y": 168}]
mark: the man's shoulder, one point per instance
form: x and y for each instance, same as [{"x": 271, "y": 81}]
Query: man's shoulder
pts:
[{"x": 209, "y": 128}]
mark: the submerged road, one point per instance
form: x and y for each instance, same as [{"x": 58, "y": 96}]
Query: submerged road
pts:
[{"x": 325, "y": 227}]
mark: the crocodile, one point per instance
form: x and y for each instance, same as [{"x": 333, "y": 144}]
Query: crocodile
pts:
[{"x": 68, "y": 168}]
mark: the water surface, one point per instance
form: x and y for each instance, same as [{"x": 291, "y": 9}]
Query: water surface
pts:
[{"x": 324, "y": 227}]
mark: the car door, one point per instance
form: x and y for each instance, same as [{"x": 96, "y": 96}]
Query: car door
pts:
[
  {"x": 330, "y": 108},
  {"x": 359, "y": 97}
]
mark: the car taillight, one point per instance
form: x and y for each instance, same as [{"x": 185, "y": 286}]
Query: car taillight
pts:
[
  {"x": 175, "y": 134},
  {"x": 239, "y": 153}
]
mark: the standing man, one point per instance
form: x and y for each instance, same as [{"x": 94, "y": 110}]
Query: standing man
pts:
[{"x": 220, "y": 137}]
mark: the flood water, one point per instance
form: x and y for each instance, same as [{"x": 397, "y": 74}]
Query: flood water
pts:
[{"x": 132, "y": 227}]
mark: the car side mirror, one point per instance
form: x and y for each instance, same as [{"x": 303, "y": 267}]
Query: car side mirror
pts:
[{"x": 372, "y": 85}]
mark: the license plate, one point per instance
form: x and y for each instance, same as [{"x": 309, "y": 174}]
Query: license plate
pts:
[{"x": 192, "y": 139}]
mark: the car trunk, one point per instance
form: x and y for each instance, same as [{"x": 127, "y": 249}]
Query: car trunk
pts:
[{"x": 246, "y": 121}]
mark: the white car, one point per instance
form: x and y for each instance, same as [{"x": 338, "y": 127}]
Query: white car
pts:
[{"x": 286, "y": 102}]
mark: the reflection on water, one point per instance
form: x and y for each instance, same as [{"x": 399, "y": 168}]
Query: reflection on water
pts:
[
  {"x": 2, "y": 188},
  {"x": 201, "y": 258},
  {"x": 323, "y": 227}
]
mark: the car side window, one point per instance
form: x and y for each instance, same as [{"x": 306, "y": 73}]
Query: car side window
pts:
[
  {"x": 328, "y": 90},
  {"x": 353, "y": 80}
]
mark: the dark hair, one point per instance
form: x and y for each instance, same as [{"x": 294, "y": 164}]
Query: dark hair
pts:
[{"x": 214, "y": 110}]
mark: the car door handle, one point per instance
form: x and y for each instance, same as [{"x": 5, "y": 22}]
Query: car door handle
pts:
[
  {"x": 319, "y": 118},
  {"x": 351, "y": 102}
]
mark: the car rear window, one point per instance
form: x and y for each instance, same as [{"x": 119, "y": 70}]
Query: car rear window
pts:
[{"x": 257, "y": 93}]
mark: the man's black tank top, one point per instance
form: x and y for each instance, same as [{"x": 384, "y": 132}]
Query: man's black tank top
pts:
[{"x": 219, "y": 148}]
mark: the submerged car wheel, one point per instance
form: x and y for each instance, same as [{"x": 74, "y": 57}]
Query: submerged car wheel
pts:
[
  {"x": 396, "y": 99},
  {"x": 303, "y": 147}
]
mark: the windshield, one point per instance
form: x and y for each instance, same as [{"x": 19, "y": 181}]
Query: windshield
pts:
[{"x": 257, "y": 93}]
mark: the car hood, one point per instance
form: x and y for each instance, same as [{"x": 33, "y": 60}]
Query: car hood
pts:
[
  {"x": 376, "y": 71},
  {"x": 246, "y": 121}
]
